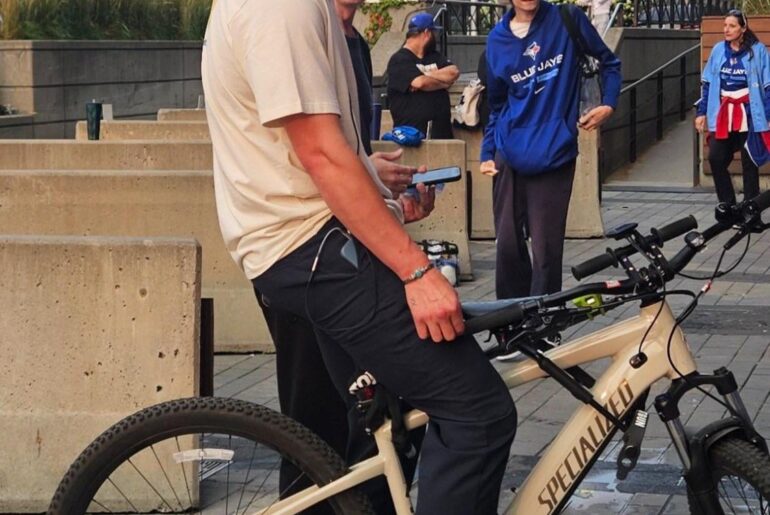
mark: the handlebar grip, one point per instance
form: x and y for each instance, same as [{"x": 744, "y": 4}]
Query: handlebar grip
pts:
[
  {"x": 761, "y": 201},
  {"x": 509, "y": 315},
  {"x": 593, "y": 265},
  {"x": 674, "y": 229}
]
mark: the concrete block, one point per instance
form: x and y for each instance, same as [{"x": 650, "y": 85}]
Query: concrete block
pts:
[
  {"x": 482, "y": 221},
  {"x": 140, "y": 203},
  {"x": 105, "y": 155},
  {"x": 179, "y": 115},
  {"x": 93, "y": 329},
  {"x": 120, "y": 130},
  {"x": 584, "y": 218},
  {"x": 16, "y": 65},
  {"x": 386, "y": 124},
  {"x": 449, "y": 220}
]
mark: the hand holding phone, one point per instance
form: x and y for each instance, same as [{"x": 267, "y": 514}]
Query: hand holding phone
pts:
[{"x": 438, "y": 175}]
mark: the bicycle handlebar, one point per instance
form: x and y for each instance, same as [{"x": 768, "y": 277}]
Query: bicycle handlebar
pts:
[
  {"x": 611, "y": 257},
  {"x": 510, "y": 315},
  {"x": 745, "y": 213}
]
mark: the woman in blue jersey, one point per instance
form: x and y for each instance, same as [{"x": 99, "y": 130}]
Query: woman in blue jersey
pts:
[
  {"x": 530, "y": 142},
  {"x": 734, "y": 104}
]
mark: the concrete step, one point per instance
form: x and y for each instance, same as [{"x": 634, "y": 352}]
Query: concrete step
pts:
[
  {"x": 105, "y": 155},
  {"x": 121, "y": 130}
]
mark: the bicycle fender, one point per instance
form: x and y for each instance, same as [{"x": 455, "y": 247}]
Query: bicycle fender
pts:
[{"x": 698, "y": 478}]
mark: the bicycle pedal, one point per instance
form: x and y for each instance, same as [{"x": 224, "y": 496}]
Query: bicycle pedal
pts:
[{"x": 632, "y": 444}]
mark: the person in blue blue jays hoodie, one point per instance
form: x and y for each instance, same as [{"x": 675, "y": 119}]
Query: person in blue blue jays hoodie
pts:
[
  {"x": 735, "y": 106},
  {"x": 530, "y": 143}
]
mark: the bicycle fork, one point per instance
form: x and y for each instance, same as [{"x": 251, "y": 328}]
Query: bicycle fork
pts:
[{"x": 693, "y": 446}]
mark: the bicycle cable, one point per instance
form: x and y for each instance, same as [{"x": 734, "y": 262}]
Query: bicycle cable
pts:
[
  {"x": 686, "y": 313},
  {"x": 660, "y": 310},
  {"x": 721, "y": 274}
]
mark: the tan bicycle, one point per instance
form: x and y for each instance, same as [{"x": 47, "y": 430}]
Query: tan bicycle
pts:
[{"x": 210, "y": 455}]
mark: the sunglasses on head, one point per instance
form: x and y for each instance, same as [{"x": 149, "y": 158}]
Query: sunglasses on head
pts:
[{"x": 738, "y": 14}]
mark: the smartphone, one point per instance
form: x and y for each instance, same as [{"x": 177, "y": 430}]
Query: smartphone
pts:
[{"x": 438, "y": 175}]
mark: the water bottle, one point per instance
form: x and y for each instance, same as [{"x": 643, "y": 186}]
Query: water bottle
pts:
[{"x": 93, "y": 119}]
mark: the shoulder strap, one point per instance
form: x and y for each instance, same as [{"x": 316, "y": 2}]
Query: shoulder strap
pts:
[{"x": 574, "y": 34}]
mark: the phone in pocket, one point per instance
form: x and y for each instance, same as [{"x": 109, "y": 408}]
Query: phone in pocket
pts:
[{"x": 438, "y": 175}]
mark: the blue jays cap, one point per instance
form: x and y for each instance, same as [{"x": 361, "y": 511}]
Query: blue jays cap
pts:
[{"x": 422, "y": 21}]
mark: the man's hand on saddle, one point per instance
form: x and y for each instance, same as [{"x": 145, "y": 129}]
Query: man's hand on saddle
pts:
[{"x": 435, "y": 307}]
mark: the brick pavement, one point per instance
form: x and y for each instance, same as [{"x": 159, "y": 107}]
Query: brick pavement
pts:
[{"x": 730, "y": 328}]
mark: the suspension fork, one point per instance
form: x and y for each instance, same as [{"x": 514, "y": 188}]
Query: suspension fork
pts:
[{"x": 693, "y": 446}]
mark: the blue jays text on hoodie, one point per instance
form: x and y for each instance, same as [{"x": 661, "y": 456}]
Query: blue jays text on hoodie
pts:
[{"x": 533, "y": 89}]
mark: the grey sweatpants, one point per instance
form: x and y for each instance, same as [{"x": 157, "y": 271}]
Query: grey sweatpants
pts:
[{"x": 540, "y": 203}]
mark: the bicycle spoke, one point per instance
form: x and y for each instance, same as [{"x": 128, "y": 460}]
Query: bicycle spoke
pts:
[
  {"x": 150, "y": 484},
  {"x": 727, "y": 497},
  {"x": 742, "y": 492},
  {"x": 254, "y": 498},
  {"x": 246, "y": 481},
  {"x": 123, "y": 495},
  {"x": 101, "y": 505},
  {"x": 168, "y": 480},
  {"x": 184, "y": 474},
  {"x": 227, "y": 481}
]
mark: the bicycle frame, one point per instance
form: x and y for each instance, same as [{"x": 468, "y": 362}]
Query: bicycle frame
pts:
[{"x": 574, "y": 449}]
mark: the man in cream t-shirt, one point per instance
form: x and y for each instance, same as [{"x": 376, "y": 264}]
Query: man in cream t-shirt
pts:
[{"x": 305, "y": 216}]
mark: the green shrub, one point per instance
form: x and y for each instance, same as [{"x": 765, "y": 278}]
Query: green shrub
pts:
[{"x": 104, "y": 19}]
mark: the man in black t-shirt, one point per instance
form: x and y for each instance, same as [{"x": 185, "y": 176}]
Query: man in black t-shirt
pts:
[{"x": 418, "y": 80}]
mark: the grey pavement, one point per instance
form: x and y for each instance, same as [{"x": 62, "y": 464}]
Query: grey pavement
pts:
[{"x": 729, "y": 328}]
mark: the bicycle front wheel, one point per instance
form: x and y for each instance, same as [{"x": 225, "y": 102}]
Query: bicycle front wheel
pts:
[
  {"x": 742, "y": 474},
  {"x": 202, "y": 455}
]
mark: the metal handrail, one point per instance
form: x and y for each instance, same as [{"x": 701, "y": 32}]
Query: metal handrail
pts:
[
  {"x": 658, "y": 69},
  {"x": 611, "y": 21}
]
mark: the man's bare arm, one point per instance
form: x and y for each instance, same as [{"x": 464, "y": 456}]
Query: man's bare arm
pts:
[
  {"x": 352, "y": 196},
  {"x": 446, "y": 74},
  {"x": 428, "y": 83}
]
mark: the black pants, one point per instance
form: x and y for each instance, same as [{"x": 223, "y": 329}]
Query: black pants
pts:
[
  {"x": 361, "y": 318},
  {"x": 307, "y": 394},
  {"x": 721, "y": 153},
  {"x": 539, "y": 203},
  {"x": 305, "y": 390}
]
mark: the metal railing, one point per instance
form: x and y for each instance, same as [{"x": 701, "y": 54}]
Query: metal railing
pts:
[
  {"x": 468, "y": 18},
  {"x": 678, "y": 13},
  {"x": 659, "y": 114}
]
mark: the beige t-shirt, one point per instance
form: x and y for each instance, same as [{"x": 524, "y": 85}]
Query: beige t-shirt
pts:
[{"x": 264, "y": 60}]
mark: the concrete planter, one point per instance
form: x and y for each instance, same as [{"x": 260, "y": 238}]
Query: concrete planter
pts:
[{"x": 56, "y": 78}]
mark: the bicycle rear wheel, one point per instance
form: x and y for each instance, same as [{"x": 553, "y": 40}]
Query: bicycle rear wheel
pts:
[
  {"x": 200, "y": 455},
  {"x": 742, "y": 474}
]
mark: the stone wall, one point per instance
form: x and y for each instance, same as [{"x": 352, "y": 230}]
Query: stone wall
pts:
[
  {"x": 55, "y": 79},
  {"x": 16, "y": 126}
]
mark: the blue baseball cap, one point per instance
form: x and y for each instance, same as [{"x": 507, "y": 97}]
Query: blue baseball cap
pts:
[{"x": 422, "y": 21}]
